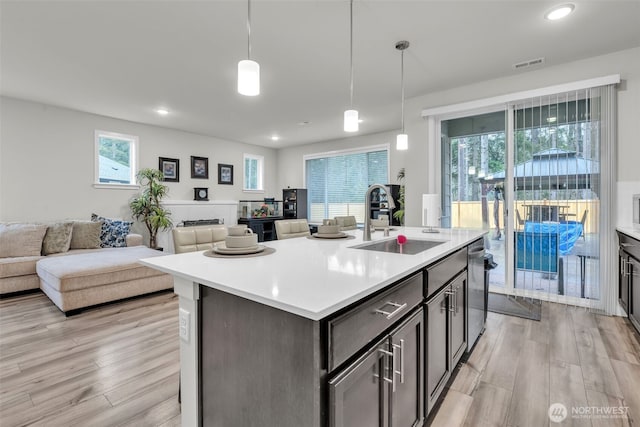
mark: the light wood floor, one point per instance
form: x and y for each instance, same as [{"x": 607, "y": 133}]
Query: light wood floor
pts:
[
  {"x": 119, "y": 365},
  {"x": 114, "y": 365},
  {"x": 520, "y": 367}
]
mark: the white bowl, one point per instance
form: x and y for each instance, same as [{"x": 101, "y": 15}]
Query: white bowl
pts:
[
  {"x": 328, "y": 229},
  {"x": 241, "y": 241}
]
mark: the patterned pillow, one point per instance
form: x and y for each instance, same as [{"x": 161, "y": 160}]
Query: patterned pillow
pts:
[
  {"x": 114, "y": 231},
  {"x": 57, "y": 238},
  {"x": 86, "y": 235}
]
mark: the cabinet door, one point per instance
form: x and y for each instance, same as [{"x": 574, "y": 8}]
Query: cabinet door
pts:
[
  {"x": 458, "y": 321},
  {"x": 358, "y": 395},
  {"x": 437, "y": 351},
  {"x": 623, "y": 282},
  {"x": 633, "y": 270},
  {"x": 407, "y": 347}
]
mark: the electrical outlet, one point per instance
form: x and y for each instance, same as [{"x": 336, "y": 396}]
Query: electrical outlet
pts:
[{"x": 184, "y": 318}]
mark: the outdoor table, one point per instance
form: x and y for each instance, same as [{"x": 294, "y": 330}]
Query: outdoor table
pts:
[
  {"x": 584, "y": 252},
  {"x": 539, "y": 213}
]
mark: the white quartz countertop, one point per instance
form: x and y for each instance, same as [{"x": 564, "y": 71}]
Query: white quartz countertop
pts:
[
  {"x": 630, "y": 231},
  {"x": 312, "y": 278}
]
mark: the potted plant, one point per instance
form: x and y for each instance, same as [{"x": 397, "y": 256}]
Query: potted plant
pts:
[
  {"x": 399, "y": 213},
  {"x": 146, "y": 207}
]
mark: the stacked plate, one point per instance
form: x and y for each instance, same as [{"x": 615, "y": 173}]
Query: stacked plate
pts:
[
  {"x": 239, "y": 242},
  {"x": 329, "y": 232}
]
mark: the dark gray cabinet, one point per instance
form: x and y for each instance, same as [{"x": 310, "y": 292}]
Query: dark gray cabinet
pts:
[
  {"x": 629, "y": 277},
  {"x": 384, "y": 386},
  {"x": 446, "y": 322},
  {"x": 633, "y": 271},
  {"x": 623, "y": 281}
]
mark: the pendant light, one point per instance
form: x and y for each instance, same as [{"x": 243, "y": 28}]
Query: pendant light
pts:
[
  {"x": 351, "y": 115},
  {"x": 402, "y": 139},
  {"x": 248, "y": 70}
]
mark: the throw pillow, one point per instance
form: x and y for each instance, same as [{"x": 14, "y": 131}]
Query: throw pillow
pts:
[
  {"x": 21, "y": 239},
  {"x": 114, "y": 231},
  {"x": 57, "y": 238},
  {"x": 86, "y": 235}
]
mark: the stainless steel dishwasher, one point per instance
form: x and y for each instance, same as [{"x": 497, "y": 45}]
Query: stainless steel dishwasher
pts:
[{"x": 476, "y": 302}]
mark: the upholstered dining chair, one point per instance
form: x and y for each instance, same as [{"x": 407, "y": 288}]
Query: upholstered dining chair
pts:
[
  {"x": 347, "y": 222},
  {"x": 289, "y": 228}
]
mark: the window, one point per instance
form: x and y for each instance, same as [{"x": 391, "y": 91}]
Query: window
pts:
[
  {"x": 253, "y": 173},
  {"x": 337, "y": 182},
  {"x": 116, "y": 159}
]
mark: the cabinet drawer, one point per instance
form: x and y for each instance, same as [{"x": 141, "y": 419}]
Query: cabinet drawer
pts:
[
  {"x": 352, "y": 330},
  {"x": 630, "y": 245},
  {"x": 442, "y": 272}
]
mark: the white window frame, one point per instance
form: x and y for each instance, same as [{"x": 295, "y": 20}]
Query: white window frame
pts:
[
  {"x": 260, "y": 160},
  {"x": 133, "y": 159}
]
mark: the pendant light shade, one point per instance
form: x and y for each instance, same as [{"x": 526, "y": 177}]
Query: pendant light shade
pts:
[
  {"x": 248, "y": 77},
  {"x": 402, "y": 140},
  {"x": 351, "y": 121},
  {"x": 351, "y": 116},
  {"x": 248, "y": 70}
]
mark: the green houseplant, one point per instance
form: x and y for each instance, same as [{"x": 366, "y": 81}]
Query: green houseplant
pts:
[
  {"x": 399, "y": 213},
  {"x": 146, "y": 207}
]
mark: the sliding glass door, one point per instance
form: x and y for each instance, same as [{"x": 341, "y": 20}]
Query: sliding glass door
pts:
[{"x": 529, "y": 173}]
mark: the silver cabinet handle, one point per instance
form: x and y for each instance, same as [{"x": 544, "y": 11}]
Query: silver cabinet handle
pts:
[
  {"x": 455, "y": 301},
  {"x": 388, "y": 354},
  {"x": 627, "y": 245},
  {"x": 452, "y": 298},
  {"x": 627, "y": 270},
  {"x": 400, "y": 349},
  {"x": 624, "y": 267},
  {"x": 399, "y": 308}
]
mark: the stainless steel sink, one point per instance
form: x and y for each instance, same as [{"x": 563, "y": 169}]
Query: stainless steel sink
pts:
[{"x": 411, "y": 247}]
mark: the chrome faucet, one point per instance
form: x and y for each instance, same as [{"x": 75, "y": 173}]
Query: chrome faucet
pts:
[{"x": 366, "y": 236}]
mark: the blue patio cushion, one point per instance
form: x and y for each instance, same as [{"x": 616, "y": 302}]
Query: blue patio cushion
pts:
[{"x": 568, "y": 232}]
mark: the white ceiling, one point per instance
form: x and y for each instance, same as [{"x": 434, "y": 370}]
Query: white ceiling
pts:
[{"x": 125, "y": 58}]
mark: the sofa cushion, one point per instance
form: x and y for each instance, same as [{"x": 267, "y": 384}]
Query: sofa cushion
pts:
[
  {"x": 18, "y": 240},
  {"x": 86, "y": 235},
  {"x": 95, "y": 268},
  {"x": 18, "y": 266},
  {"x": 114, "y": 231},
  {"x": 57, "y": 238}
]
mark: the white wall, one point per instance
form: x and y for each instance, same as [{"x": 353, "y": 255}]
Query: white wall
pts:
[
  {"x": 47, "y": 163},
  {"x": 416, "y": 160}
]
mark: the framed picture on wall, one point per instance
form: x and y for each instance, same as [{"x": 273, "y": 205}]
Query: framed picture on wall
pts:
[
  {"x": 199, "y": 167},
  {"x": 170, "y": 169},
  {"x": 225, "y": 174}
]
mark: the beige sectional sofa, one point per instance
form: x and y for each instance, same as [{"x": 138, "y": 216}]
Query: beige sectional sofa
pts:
[{"x": 74, "y": 274}]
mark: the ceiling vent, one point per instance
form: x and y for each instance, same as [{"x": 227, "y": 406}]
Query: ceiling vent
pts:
[{"x": 529, "y": 63}]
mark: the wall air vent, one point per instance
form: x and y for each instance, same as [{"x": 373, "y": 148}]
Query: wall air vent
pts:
[{"x": 529, "y": 63}]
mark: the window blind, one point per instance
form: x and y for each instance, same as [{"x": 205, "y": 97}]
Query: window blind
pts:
[{"x": 336, "y": 185}]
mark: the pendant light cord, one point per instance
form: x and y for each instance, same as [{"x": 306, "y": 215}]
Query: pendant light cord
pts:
[
  {"x": 248, "y": 29},
  {"x": 402, "y": 88},
  {"x": 351, "y": 53}
]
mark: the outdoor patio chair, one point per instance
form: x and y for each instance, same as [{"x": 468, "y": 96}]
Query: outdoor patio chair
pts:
[
  {"x": 582, "y": 221},
  {"x": 520, "y": 221}
]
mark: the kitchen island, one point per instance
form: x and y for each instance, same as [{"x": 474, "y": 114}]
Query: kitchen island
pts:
[{"x": 265, "y": 340}]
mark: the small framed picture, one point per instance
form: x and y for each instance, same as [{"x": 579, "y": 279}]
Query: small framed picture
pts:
[
  {"x": 199, "y": 167},
  {"x": 225, "y": 174},
  {"x": 170, "y": 169}
]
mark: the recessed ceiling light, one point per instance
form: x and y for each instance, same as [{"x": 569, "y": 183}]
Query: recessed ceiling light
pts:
[
  {"x": 162, "y": 111},
  {"x": 275, "y": 137},
  {"x": 304, "y": 123},
  {"x": 559, "y": 12}
]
